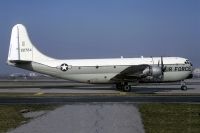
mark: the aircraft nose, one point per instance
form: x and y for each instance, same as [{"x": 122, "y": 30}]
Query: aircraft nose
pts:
[
  {"x": 191, "y": 64},
  {"x": 190, "y": 76},
  {"x": 191, "y": 70}
]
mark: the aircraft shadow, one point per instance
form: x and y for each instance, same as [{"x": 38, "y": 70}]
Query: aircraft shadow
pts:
[{"x": 83, "y": 87}]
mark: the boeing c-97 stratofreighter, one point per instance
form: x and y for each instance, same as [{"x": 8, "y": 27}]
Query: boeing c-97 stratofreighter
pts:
[{"x": 119, "y": 71}]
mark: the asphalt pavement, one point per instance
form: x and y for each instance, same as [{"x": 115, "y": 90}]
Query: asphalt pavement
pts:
[
  {"x": 99, "y": 99},
  {"x": 87, "y": 118}
]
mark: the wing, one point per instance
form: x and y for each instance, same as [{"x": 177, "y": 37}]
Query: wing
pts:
[{"x": 131, "y": 73}]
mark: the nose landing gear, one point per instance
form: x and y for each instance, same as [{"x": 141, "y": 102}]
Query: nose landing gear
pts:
[{"x": 183, "y": 86}]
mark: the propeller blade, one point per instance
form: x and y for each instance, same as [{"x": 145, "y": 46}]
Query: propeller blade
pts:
[{"x": 162, "y": 65}]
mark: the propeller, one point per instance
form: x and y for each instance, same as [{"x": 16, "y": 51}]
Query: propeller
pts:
[{"x": 163, "y": 68}]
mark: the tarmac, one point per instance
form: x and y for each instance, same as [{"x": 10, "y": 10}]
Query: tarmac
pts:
[
  {"x": 99, "y": 99},
  {"x": 49, "y": 86}
]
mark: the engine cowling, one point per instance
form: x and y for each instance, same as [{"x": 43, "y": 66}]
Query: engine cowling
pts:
[{"x": 154, "y": 71}]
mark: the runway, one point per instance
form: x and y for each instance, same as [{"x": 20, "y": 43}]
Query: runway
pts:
[
  {"x": 61, "y": 92},
  {"x": 92, "y": 99},
  {"x": 48, "y": 87}
]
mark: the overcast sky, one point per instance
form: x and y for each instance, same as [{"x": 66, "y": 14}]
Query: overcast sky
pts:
[{"x": 104, "y": 28}]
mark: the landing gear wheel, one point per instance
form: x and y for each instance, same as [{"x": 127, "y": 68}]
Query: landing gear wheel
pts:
[
  {"x": 123, "y": 87},
  {"x": 127, "y": 88},
  {"x": 184, "y": 87}
]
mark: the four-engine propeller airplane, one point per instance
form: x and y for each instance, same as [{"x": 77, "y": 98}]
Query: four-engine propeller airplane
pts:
[{"x": 119, "y": 71}]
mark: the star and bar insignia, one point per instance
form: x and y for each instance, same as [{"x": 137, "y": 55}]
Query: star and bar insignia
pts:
[{"x": 64, "y": 67}]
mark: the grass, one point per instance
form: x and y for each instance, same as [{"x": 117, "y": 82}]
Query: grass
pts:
[
  {"x": 171, "y": 118},
  {"x": 10, "y": 116}
]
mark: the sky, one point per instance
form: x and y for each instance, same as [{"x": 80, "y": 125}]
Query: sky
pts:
[{"x": 71, "y": 29}]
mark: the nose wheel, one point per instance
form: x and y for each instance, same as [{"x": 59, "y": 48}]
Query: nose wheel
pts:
[{"x": 183, "y": 86}]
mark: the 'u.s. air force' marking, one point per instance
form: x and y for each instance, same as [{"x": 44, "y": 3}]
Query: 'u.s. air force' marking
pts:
[
  {"x": 64, "y": 67},
  {"x": 170, "y": 69}
]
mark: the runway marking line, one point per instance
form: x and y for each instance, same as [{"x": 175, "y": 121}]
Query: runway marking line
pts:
[
  {"x": 39, "y": 94},
  {"x": 122, "y": 93}
]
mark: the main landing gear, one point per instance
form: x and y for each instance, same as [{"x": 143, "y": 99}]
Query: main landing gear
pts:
[
  {"x": 183, "y": 86},
  {"x": 124, "y": 87}
]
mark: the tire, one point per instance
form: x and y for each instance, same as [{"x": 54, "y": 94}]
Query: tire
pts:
[
  {"x": 126, "y": 88},
  {"x": 183, "y": 87}
]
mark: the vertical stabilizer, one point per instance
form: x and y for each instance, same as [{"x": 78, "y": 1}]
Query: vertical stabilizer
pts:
[{"x": 21, "y": 48}]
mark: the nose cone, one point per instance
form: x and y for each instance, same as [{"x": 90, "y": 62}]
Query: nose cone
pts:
[
  {"x": 190, "y": 76},
  {"x": 191, "y": 70}
]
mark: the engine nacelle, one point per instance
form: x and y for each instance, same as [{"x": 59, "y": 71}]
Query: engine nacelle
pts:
[{"x": 154, "y": 71}]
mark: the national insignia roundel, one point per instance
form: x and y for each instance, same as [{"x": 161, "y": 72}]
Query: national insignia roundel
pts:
[{"x": 64, "y": 67}]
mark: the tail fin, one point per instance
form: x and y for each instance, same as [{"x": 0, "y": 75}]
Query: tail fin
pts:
[{"x": 21, "y": 48}]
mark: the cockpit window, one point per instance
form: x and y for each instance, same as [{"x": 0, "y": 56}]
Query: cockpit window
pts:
[{"x": 187, "y": 62}]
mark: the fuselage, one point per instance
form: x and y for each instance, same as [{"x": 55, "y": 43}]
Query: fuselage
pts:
[{"x": 103, "y": 70}]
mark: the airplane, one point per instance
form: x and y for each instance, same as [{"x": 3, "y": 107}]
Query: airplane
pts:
[{"x": 119, "y": 71}]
